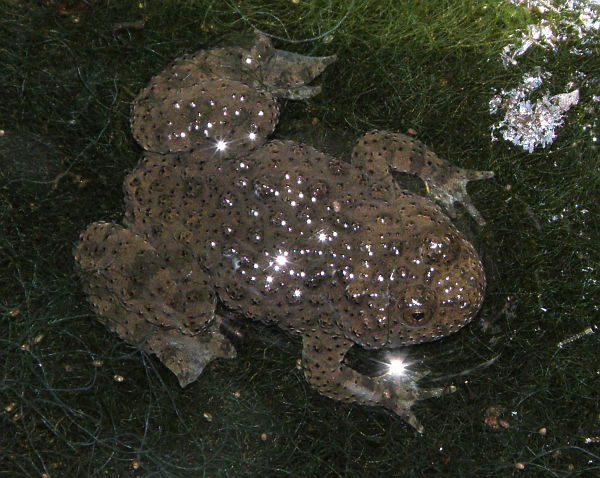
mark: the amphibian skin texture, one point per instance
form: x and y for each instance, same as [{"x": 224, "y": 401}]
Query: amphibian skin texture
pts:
[{"x": 334, "y": 252}]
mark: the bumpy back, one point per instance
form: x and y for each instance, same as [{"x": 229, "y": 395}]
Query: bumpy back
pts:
[
  {"x": 205, "y": 100},
  {"x": 222, "y": 99}
]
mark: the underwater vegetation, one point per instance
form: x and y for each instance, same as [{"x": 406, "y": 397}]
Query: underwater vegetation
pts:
[{"x": 77, "y": 401}]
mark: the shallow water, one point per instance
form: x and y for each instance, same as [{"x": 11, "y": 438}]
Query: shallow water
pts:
[{"x": 77, "y": 401}]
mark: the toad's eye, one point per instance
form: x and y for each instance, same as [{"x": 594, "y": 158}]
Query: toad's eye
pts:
[
  {"x": 418, "y": 316},
  {"x": 416, "y": 306},
  {"x": 439, "y": 249}
]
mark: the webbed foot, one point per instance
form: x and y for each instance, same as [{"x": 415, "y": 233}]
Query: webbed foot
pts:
[
  {"x": 288, "y": 73},
  {"x": 187, "y": 355},
  {"x": 283, "y": 73},
  {"x": 452, "y": 188},
  {"x": 400, "y": 392}
]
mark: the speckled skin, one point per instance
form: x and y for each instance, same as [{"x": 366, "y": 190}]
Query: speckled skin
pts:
[{"x": 334, "y": 252}]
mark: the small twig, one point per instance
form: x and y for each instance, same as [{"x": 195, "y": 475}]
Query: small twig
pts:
[
  {"x": 589, "y": 331},
  {"x": 135, "y": 25}
]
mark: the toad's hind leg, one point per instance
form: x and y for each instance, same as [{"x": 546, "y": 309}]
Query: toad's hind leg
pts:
[
  {"x": 378, "y": 151},
  {"x": 323, "y": 356},
  {"x": 168, "y": 311}
]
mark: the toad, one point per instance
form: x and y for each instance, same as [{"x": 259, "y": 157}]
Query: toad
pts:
[{"x": 217, "y": 217}]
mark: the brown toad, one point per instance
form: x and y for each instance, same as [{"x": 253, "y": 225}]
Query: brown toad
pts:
[{"x": 334, "y": 252}]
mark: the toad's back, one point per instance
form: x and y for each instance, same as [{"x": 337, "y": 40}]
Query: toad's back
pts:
[{"x": 291, "y": 235}]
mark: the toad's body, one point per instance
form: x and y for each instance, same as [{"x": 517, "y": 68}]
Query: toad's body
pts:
[{"x": 332, "y": 251}]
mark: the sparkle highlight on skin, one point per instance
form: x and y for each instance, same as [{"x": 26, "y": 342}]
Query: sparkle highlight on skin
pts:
[{"x": 396, "y": 367}]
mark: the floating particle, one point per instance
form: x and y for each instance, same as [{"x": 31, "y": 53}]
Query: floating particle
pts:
[
  {"x": 559, "y": 21},
  {"x": 493, "y": 420},
  {"x": 542, "y": 34},
  {"x": 528, "y": 123}
]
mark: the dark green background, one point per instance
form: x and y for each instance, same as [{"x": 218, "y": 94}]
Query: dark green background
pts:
[{"x": 66, "y": 83}]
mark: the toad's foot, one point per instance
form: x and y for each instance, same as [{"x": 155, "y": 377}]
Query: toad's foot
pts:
[
  {"x": 401, "y": 391},
  {"x": 379, "y": 151},
  {"x": 322, "y": 359},
  {"x": 187, "y": 356},
  {"x": 451, "y": 188},
  {"x": 282, "y": 73}
]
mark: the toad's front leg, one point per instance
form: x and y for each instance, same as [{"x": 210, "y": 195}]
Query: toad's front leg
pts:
[
  {"x": 323, "y": 356},
  {"x": 379, "y": 151}
]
